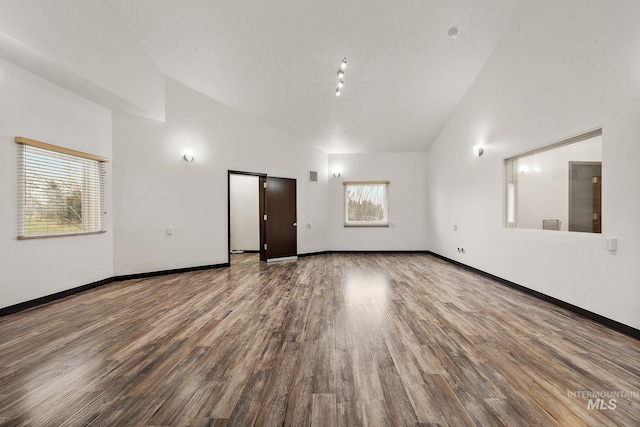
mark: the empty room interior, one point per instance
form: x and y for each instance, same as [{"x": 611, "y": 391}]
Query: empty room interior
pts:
[{"x": 329, "y": 213}]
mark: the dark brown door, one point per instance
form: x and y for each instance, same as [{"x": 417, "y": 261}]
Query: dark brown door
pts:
[{"x": 281, "y": 229}]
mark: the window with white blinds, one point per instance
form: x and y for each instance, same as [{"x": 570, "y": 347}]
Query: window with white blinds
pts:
[{"x": 60, "y": 191}]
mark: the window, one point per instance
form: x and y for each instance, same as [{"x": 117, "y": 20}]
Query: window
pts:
[
  {"x": 366, "y": 203},
  {"x": 557, "y": 187},
  {"x": 60, "y": 191}
]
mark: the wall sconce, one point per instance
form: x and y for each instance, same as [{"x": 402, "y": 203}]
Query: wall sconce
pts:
[
  {"x": 453, "y": 33},
  {"x": 188, "y": 156},
  {"x": 477, "y": 150},
  {"x": 336, "y": 174}
]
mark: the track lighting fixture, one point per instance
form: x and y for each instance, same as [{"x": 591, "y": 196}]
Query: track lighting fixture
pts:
[{"x": 340, "y": 74}]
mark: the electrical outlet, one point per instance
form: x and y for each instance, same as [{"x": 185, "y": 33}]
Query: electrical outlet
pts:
[{"x": 611, "y": 244}]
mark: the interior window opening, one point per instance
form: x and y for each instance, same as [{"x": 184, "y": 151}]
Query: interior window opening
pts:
[{"x": 557, "y": 187}]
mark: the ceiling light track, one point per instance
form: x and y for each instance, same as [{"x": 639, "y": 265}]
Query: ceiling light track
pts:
[{"x": 340, "y": 73}]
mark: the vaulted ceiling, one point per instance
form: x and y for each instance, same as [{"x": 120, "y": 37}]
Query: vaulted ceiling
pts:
[{"x": 276, "y": 60}]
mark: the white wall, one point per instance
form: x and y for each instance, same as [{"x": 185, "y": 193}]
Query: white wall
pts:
[
  {"x": 155, "y": 188},
  {"x": 406, "y": 197},
  {"x": 561, "y": 69},
  {"x": 33, "y": 108},
  {"x": 245, "y": 213}
]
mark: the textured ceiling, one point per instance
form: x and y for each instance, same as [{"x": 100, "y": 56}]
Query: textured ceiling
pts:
[{"x": 276, "y": 60}]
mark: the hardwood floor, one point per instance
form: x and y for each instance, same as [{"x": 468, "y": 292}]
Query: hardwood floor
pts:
[
  {"x": 326, "y": 340},
  {"x": 245, "y": 258}
]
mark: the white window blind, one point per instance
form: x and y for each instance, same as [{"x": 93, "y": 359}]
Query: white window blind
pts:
[{"x": 60, "y": 191}]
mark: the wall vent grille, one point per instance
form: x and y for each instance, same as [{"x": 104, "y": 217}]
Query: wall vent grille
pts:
[{"x": 313, "y": 176}]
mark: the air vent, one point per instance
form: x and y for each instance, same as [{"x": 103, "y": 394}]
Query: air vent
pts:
[{"x": 313, "y": 176}]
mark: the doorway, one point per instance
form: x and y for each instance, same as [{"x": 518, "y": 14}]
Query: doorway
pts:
[
  {"x": 245, "y": 197},
  {"x": 261, "y": 217},
  {"x": 585, "y": 197},
  {"x": 244, "y": 218}
]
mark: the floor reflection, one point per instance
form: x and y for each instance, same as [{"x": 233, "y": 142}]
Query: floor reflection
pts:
[{"x": 367, "y": 296}]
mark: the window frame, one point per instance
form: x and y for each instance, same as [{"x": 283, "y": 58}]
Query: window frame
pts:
[
  {"x": 512, "y": 181},
  {"x": 92, "y": 184},
  {"x": 384, "y": 222}
]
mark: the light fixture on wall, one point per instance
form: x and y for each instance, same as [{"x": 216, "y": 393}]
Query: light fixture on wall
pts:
[
  {"x": 477, "y": 150},
  {"x": 336, "y": 174},
  {"x": 340, "y": 73},
  {"x": 188, "y": 156},
  {"x": 453, "y": 33}
]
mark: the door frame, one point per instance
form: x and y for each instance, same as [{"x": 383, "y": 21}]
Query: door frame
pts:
[{"x": 261, "y": 208}]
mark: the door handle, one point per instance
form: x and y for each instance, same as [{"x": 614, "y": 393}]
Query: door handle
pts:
[{"x": 295, "y": 224}]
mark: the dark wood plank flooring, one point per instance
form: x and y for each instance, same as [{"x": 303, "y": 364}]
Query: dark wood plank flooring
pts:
[{"x": 329, "y": 340}]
